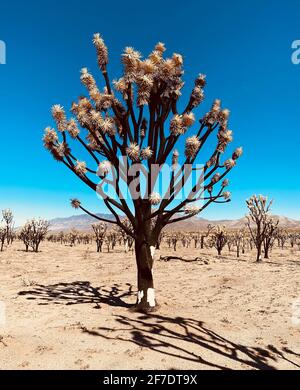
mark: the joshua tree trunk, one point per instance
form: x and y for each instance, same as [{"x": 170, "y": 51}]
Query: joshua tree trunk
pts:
[
  {"x": 266, "y": 249},
  {"x": 202, "y": 242},
  {"x": 99, "y": 246},
  {"x": 144, "y": 259},
  {"x": 36, "y": 247},
  {"x": 258, "y": 257}
]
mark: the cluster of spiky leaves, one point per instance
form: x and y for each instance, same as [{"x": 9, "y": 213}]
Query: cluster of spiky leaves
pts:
[
  {"x": 259, "y": 207},
  {"x": 100, "y": 230},
  {"x": 136, "y": 116},
  {"x": 219, "y": 237}
]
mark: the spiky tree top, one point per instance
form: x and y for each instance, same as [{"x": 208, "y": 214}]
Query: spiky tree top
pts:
[
  {"x": 259, "y": 208},
  {"x": 260, "y": 224},
  {"x": 137, "y": 117}
]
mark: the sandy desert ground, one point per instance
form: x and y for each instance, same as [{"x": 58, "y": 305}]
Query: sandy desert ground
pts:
[{"x": 68, "y": 308}]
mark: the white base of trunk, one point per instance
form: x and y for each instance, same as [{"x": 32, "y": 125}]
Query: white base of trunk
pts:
[
  {"x": 152, "y": 250},
  {"x": 150, "y": 297}
]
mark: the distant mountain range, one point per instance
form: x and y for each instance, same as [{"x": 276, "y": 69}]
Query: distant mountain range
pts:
[{"x": 84, "y": 221}]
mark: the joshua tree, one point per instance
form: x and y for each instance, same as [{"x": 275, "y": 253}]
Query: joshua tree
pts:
[
  {"x": 293, "y": 239},
  {"x": 3, "y": 233},
  {"x": 33, "y": 233},
  {"x": 130, "y": 139},
  {"x": 270, "y": 236},
  {"x": 206, "y": 234},
  {"x": 126, "y": 238},
  {"x": 61, "y": 237},
  {"x": 259, "y": 222},
  {"x": 196, "y": 239},
  {"x": 230, "y": 242},
  {"x": 238, "y": 239},
  {"x": 25, "y": 235},
  {"x": 111, "y": 240},
  {"x": 8, "y": 218},
  {"x": 175, "y": 237},
  {"x": 100, "y": 230},
  {"x": 219, "y": 238},
  {"x": 73, "y": 237},
  {"x": 282, "y": 236}
]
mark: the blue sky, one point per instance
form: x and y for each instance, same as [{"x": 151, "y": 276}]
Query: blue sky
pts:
[{"x": 244, "y": 48}]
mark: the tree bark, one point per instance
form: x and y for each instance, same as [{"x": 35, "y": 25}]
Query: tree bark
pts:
[
  {"x": 266, "y": 256},
  {"x": 146, "y": 301},
  {"x": 258, "y": 257},
  {"x": 266, "y": 249},
  {"x": 202, "y": 242}
]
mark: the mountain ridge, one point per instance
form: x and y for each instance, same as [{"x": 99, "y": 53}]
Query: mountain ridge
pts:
[{"x": 84, "y": 221}]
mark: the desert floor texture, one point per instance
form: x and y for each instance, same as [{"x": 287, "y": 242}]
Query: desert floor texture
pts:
[{"x": 68, "y": 308}]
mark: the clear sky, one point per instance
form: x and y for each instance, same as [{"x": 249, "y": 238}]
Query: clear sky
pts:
[{"x": 244, "y": 48}]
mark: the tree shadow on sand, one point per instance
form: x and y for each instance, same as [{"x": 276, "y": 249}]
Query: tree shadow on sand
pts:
[
  {"x": 190, "y": 340},
  {"x": 79, "y": 293},
  {"x": 186, "y": 339}
]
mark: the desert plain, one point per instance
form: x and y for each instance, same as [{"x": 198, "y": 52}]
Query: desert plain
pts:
[{"x": 70, "y": 308}]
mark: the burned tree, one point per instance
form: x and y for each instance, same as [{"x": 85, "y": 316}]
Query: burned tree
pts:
[
  {"x": 129, "y": 132},
  {"x": 259, "y": 221}
]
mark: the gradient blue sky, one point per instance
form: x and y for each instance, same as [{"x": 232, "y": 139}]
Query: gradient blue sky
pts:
[{"x": 244, "y": 48}]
